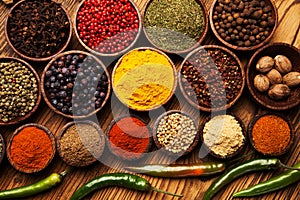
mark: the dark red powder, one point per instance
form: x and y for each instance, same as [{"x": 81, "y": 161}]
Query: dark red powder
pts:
[{"x": 129, "y": 138}]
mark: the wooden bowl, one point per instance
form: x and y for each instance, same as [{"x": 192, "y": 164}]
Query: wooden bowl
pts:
[
  {"x": 61, "y": 134},
  {"x": 262, "y": 98},
  {"x": 3, "y": 148},
  {"x": 197, "y": 43},
  {"x": 89, "y": 49},
  {"x": 238, "y": 151},
  {"x": 22, "y": 118},
  {"x": 155, "y": 106},
  {"x": 111, "y": 145},
  {"x": 46, "y": 94},
  {"x": 23, "y": 55},
  {"x": 161, "y": 147},
  {"x": 244, "y": 48},
  {"x": 194, "y": 102},
  {"x": 292, "y": 134},
  {"x": 47, "y": 131}
]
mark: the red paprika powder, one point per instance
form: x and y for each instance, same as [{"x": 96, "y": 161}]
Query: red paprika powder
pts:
[
  {"x": 31, "y": 149},
  {"x": 129, "y": 138}
]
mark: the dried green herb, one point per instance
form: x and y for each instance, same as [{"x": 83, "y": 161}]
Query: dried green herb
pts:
[{"x": 174, "y": 25}]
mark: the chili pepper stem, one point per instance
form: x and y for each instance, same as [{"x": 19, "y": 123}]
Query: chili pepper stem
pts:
[
  {"x": 165, "y": 192},
  {"x": 287, "y": 167},
  {"x": 67, "y": 171}
]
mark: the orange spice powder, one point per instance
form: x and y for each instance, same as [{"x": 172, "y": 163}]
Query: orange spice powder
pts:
[{"x": 271, "y": 134}]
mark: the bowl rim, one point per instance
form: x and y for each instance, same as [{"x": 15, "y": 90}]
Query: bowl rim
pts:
[
  {"x": 204, "y": 108},
  {"x": 192, "y": 146},
  {"x": 197, "y": 43},
  {"x": 33, "y": 71},
  {"x": 238, "y": 48},
  {"x": 270, "y": 113},
  {"x": 108, "y": 54},
  {"x": 45, "y": 93},
  {"x": 67, "y": 126},
  {"x": 244, "y": 132},
  {"x": 42, "y": 59},
  {"x": 144, "y": 49},
  {"x": 252, "y": 90},
  {"x": 51, "y": 137},
  {"x": 2, "y": 154},
  {"x": 116, "y": 120}
]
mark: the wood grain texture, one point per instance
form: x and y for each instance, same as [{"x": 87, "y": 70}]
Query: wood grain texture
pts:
[{"x": 192, "y": 188}]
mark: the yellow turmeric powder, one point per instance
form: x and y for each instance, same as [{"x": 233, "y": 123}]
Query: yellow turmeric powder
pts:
[{"x": 144, "y": 79}]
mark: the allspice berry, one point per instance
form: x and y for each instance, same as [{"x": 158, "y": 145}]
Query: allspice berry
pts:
[
  {"x": 283, "y": 64},
  {"x": 261, "y": 83},
  {"x": 274, "y": 76},
  {"x": 265, "y": 64}
]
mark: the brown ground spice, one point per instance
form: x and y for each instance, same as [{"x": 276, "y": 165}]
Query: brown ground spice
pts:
[{"x": 271, "y": 134}]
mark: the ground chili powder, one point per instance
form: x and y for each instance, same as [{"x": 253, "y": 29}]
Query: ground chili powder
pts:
[
  {"x": 271, "y": 135},
  {"x": 129, "y": 138},
  {"x": 31, "y": 149}
]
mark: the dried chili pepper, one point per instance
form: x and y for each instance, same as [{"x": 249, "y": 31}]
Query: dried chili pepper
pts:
[{"x": 282, "y": 180}]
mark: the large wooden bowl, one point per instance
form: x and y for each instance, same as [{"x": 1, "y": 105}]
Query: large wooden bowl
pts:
[
  {"x": 46, "y": 94},
  {"x": 34, "y": 58},
  {"x": 244, "y": 48},
  {"x": 22, "y": 118},
  {"x": 262, "y": 98},
  {"x": 198, "y": 41}
]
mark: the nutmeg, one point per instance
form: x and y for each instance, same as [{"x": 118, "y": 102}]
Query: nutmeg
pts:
[
  {"x": 292, "y": 79},
  {"x": 265, "y": 64},
  {"x": 279, "y": 91},
  {"x": 261, "y": 83},
  {"x": 274, "y": 76},
  {"x": 283, "y": 64}
]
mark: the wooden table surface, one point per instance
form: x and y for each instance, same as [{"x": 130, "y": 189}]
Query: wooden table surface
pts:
[{"x": 288, "y": 31}]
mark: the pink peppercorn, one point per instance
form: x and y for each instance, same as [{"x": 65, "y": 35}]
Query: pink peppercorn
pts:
[{"x": 107, "y": 26}]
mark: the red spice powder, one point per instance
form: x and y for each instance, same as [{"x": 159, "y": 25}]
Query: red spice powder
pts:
[
  {"x": 31, "y": 149},
  {"x": 129, "y": 138},
  {"x": 271, "y": 134}
]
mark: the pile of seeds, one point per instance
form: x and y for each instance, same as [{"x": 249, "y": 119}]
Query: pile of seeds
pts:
[
  {"x": 18, "y": 90},
  {"x": 223, "y": 135},
  {"x": 176, "y": 132},
  {"x": 38, "y": 29},
  {"x": 76, "y": 84},
  {"x": 107, "y": 26},
  {"x": 174, "y": 25},
  {"x": 243, "y": 23},
  {"x": 208, "y": 74},
  {"x": 81, "y": 144}
]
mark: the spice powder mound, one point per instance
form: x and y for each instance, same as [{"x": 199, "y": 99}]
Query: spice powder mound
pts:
[
  {"x": 144, "y": 79},
  {"x": 129, "y": 138},
  {"x": 223, "y": 135},
  {"x": 271, "y": 134},
  {"x": 31, "y": 149},
  {"x": 81, "y": 144}
]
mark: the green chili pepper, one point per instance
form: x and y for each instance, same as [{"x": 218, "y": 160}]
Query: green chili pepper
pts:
[
  {"x": 282, "y": 180},
  {"x": 35, "y": 188},
  {"x": 180, "y": 170},
  {"x": 116, "y": 179},
  {"x": 245, "y": 167}
]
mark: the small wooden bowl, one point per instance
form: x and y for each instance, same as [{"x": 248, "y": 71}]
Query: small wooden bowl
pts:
[
  {"x": 48, "y": 132},
  {"x": 244, "y": 48},
  {"x": 107, "y": 133},
  {"x": 257, "y": 117},
  {"x": 46, "y": 94},
  {"x": 108, "y": 54},
  {"x": 262, "y": 98},
  {"x": 161, "y": 147},
  {"x": 174, "y": 74},
  {"x": 203, "y": 107},
  {"x": 20, "y": 119},
  {"x": 3, "y": 148},
  {"x": 238, "y": 151},
  {"x": 34, "y": 58},
  {"x": 62, "y": 132},
  {"x": 197, "y": 43}
]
